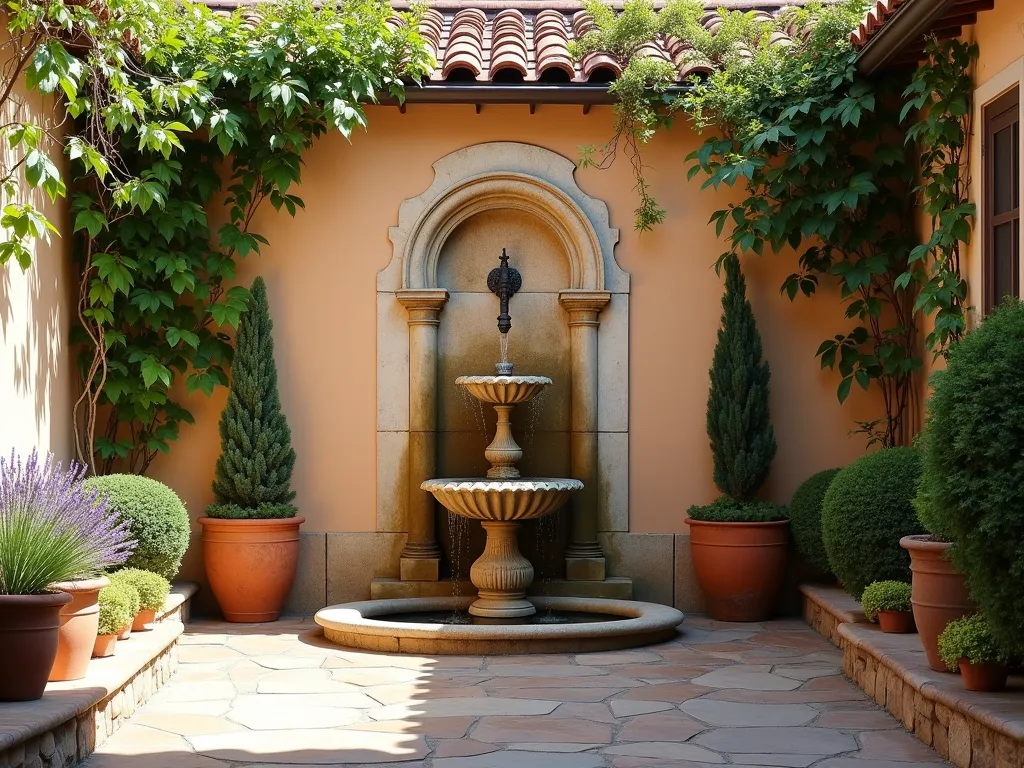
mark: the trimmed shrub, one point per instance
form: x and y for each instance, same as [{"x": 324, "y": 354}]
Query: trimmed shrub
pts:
[
  {"x": 254, "y": 471},
  {"x": 972, "y": 489},
  {"x": 867, "y": 509},
  {"x": 805, "y": 518},
  {"x": 970, "y": 638},
  {"x": 156, "y": 517},
  {"x": 152, "y": 587},
  {"x": 726, "y": 510},
  {"x": 738, "y": 423},
  {"x": 118, "y": 606},
  {"x": 885, "y": 596}
]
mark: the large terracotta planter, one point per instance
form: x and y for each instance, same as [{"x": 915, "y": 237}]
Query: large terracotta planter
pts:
[
  {"x": 739, "y": 566},
  {"x": 79, "y": 621},
  {"x": 29, "y": 628},
  {"x": 250, "y": 565},
  {"x": 938, "y": 593},
  {"x": 104, "y": 646},
  {"x": 986, "y": 678}
]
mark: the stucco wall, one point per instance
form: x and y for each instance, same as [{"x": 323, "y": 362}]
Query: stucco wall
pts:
[
  {"x": 35, "y": 315},
  {"x": 321, "y": 269}
]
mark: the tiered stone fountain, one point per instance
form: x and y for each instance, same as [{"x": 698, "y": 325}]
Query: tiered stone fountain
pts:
[{"x": 504, "y": 618}]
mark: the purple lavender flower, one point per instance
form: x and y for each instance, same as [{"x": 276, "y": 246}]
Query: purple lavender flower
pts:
[{"x": 51, "y": 528}]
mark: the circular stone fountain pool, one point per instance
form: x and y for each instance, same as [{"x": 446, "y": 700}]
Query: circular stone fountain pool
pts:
[{"x": 588, "y": 624}]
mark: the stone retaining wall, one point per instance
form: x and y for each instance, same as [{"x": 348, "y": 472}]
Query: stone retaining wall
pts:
[{"x": 971, "y": 730}]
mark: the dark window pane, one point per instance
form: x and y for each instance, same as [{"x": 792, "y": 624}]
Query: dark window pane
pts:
[
  {"x": 1004, "y": 261},
  {"x": 1004, "y": 171}
]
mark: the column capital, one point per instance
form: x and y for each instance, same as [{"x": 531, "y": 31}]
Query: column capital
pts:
[
  {"x": 423, "y": 304},
  {"x": 584, "y": 306}
]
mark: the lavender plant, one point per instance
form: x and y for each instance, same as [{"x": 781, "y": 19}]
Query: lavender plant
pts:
[{"x": 53, "y": 529}]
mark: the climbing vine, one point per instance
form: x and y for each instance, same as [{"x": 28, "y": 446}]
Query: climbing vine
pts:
[
  {"x": 89, "y": 59},
  {"x": 940, "y": 98},
  {"x": 156, "y": 303},
  {"x": 827, "y": 165}
]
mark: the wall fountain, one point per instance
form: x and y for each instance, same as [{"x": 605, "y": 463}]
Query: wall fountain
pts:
[{"x": 501, "y": 619}]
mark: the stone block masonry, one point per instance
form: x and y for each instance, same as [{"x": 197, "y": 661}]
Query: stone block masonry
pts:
[
  {"x": 74, "y": 718},
  {"x": 971, "y": 730}
]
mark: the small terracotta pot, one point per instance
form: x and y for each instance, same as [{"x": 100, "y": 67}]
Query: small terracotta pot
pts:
[
  {"x": 79, "y": 621},
  {"x": 896, "y": 622},
  {"x": 143, "y": 621},
  {"x": 938, "y": 593},
  {"x": 29, "y": 631},
  {"x": 739, "y": 566},
  {"x": 104, "y": 646},
  {"x": 251, "y": 565},
  {"x": 987, "y": 678},
  {"x": 125, "y": 633}
]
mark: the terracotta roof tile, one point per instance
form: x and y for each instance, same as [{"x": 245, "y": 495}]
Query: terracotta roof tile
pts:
[
  {"x": 874, "y": 18},
  {"x": 529, "y": 40}
]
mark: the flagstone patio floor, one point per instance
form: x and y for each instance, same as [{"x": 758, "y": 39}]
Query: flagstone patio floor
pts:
[{"x": 278, "y": 694}]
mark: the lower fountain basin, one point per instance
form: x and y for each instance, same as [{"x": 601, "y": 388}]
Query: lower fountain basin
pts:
[
  {"x": 502, "y": 500},
  {"x": 619, "y": 624}
]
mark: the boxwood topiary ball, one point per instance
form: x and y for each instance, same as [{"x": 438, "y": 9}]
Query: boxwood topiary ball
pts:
[
  {"x": 805, "y": 518},
  {"x": 158, "y": 520},
  {"x": 867, "y": 509},
  {"x": 152, "y": 587}
]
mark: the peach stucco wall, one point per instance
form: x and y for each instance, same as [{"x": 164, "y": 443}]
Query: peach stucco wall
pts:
[
  {"x": 35, "y": 315},
  {"x": 321, "y": 271}
]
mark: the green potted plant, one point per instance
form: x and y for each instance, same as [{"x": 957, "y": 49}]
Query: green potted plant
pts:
[
  {"x": 968, "y": 645},
  {"x": 971, "y": 495},
  {"x": 52, "y": 530},
  {"x": 134, "y": 606},
  {"x": 251, "y": 531},
  {"x": 739, "y": 544},
  {"x": 888, "y": 603},
  {"x": 867, "y": 509},
  {"x": 116, "y": 603},
  {"x": 152, "y": 589}
]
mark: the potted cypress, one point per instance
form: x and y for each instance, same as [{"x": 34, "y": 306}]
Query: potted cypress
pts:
[
  {"x": 738, "y": 543},
  {"x": 251, "y": 531},
  {"x": 52, "y": 530}
]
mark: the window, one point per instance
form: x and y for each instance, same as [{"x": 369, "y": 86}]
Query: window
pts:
[{"x": 1001, "y": 152}]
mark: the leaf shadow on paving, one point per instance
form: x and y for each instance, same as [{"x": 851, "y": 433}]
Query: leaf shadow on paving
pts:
[{"x": 270, "y": 695}]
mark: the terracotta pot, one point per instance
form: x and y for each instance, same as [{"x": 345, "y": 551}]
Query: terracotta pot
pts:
[
  {"x": 896, "y": 622},
  {"x": 104, "y": 646},
  {"x": 79, "y": 621},
  {"x": 938, "y": 593},
  {"x": 250, "y": 565},
  {"x": 125, "y": 633},
  {"x": 739, "y": 566},
  {"x": 143, "y": 621},
  {"x": 987, "y": 678},
  {"x": 29, "y": 630}
]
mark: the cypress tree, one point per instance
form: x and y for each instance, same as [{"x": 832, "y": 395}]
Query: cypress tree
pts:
[
  {"x": 253, "y": 474},
  {"x": 742, "y": 438}
]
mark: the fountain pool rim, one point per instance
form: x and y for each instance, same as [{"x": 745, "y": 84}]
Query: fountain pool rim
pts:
[{"x": 355, "y": 625}]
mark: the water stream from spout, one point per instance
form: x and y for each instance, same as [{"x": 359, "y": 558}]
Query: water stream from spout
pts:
[{"x": 503, "y": 342}]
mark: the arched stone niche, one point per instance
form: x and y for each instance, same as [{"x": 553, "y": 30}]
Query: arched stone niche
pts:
[{"x": 539, "y": 184}]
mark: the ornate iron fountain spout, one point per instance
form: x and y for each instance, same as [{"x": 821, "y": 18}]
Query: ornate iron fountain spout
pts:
[{"x": 504, "y": 282}]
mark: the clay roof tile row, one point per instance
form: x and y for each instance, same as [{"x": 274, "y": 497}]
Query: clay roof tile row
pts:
[{"x": 874, "y": 18}]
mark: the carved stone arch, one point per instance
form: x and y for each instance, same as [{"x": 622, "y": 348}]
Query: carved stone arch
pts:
[
  {"x": 470, "y": 181},
  {"x": 514, "y": 191}
]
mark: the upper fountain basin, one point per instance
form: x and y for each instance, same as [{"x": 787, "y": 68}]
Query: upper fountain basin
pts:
[
  {"x": 503, "y": 390},
  {"x": 502, "y": 500}
]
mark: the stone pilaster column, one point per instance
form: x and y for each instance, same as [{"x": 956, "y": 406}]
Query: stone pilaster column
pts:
[
  {"x": 421, "y": 557},
  {"x": 584, "y": 559}
]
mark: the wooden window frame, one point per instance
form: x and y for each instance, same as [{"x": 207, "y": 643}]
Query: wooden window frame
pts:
[{"x": 998, "y": 114}]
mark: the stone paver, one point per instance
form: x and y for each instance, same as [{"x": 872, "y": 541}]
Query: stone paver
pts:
[{"x": 274, "y": 695}]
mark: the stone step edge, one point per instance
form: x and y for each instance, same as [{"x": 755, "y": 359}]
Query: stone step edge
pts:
[
  {"x": 916, "y": 703},
  {"x": 72, "y": 701}
]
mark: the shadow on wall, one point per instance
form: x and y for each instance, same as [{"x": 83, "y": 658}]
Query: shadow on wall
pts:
[{"x": 35, "y": 372}]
